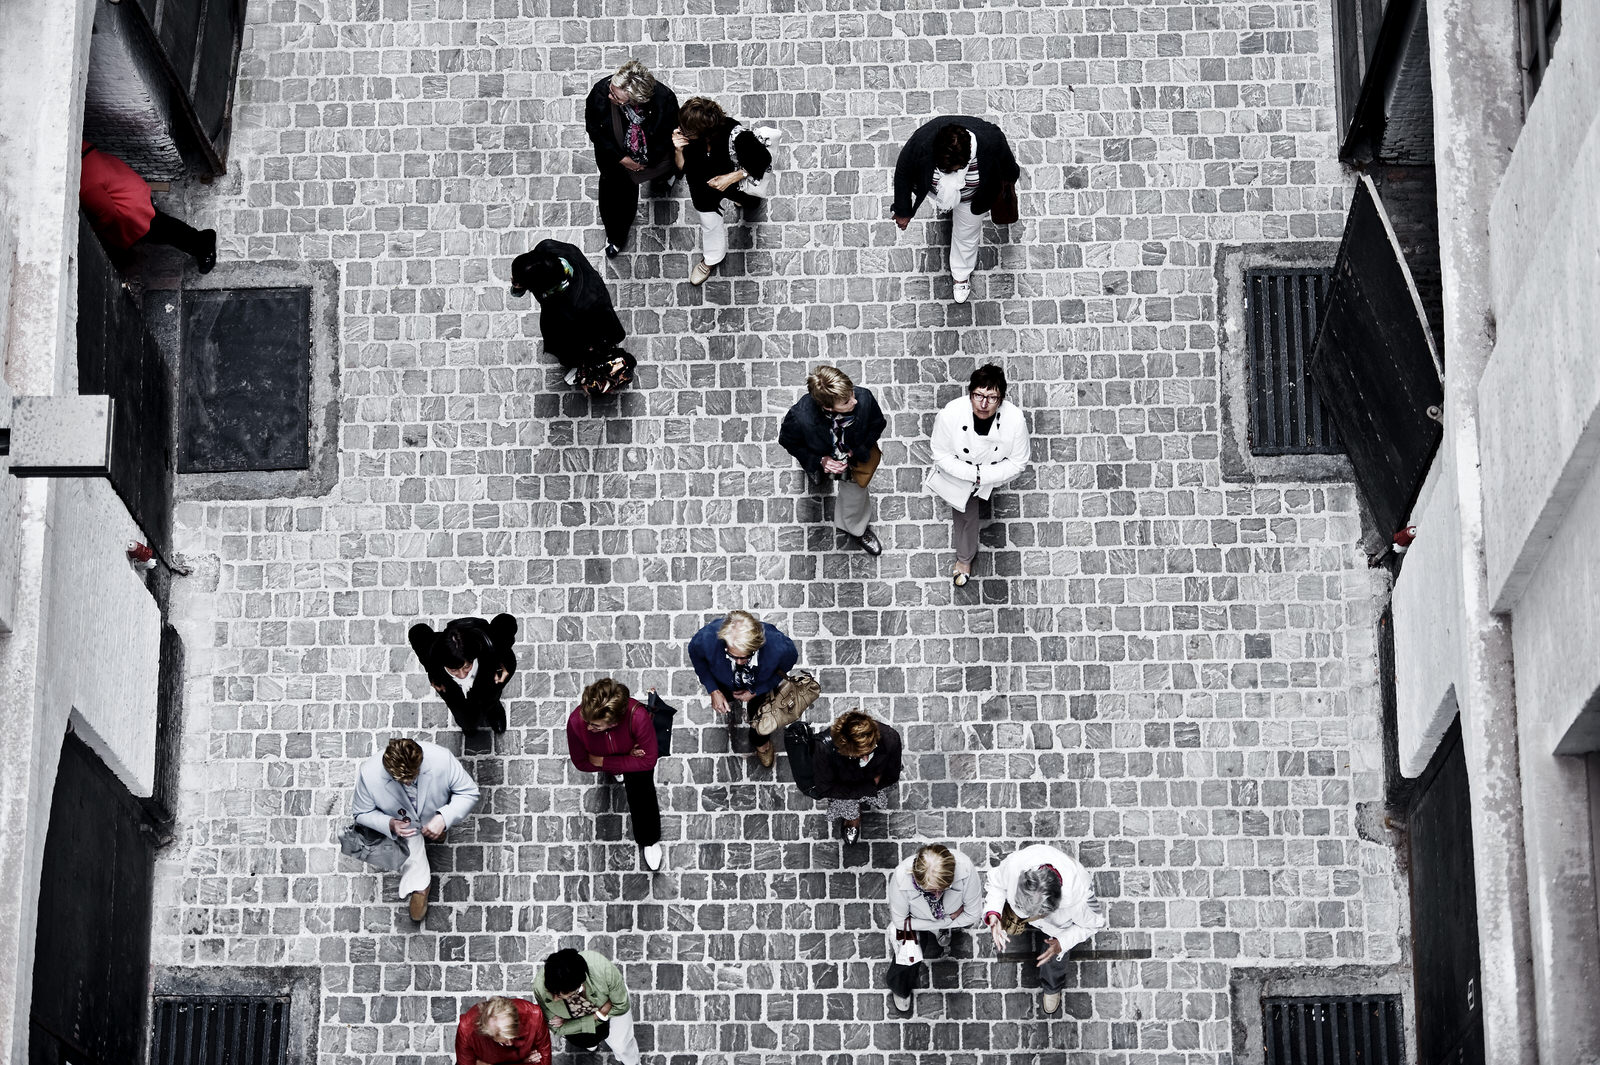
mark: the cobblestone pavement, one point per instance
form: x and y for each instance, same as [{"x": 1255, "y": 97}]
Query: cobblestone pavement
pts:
[{"x": 1168, "y": 673}]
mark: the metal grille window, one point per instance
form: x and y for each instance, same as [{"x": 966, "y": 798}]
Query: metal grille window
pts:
[
  {"x": 1343, "y": 1030},
  {"x": 220, "y": 1031},
  {"x": 1541, "y": 25},
  {"x": 1283, "y": 308}
]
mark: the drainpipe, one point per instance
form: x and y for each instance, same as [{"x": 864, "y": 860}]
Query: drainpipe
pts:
[{"x": 1477, "y": 109}]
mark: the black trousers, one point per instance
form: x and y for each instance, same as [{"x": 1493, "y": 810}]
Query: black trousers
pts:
[
  {"x": 644, "y": 806},
  {"x": 902, "y": 979},
  {"x": 591, "y": 1040},
  {"x": 619, "y": 202},
  {"x": 480, "y": 707},
  {"x": 751, "y": 713},
  {"x": 176, "y": 233}
]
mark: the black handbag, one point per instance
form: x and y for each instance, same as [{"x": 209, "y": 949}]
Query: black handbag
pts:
[
  {"x": 799, "y": 744},
  {"x": 661, "y": 716},
  {"x": 374, "y": 848}
]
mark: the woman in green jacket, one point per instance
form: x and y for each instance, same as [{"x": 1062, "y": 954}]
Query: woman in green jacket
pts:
[{"x": 585, "y": 1000}]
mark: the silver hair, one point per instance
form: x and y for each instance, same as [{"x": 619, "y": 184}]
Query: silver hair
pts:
[
  {"x": 635, "y": 79},
  {"x": 1038, "y": 893}
]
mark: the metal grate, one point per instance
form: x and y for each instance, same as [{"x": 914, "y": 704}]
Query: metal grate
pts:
[
  {"x": 1286, "y": 415},
  {"x": 220, "y": 1031},
  {"x": 1353, "y": 1030}
]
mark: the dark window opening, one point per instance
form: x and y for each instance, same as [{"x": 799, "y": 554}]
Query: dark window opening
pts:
[
  {"x": 1284, "y": 308},
  {"x": 1338, "y": 1030},
  {"x": 220, "y": 1030},
  {"x": 1541, "y": 26}
]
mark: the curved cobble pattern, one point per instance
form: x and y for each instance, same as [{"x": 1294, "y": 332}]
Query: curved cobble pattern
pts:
[{"x": 1171, "y": 675}]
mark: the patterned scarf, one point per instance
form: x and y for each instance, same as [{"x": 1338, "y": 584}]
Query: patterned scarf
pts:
[
  {"x": 578, "y": 1004},
  {"x": 745, "y": 675},
  {"x": 841, "y": 422},
  {"x": 638, "y": 149},
  {"x": 935, "y": 901}
]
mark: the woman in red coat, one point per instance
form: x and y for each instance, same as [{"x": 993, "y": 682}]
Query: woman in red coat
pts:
[
  {"x": 610, "y": 732},
  {"x": 503, "y": 1030},
  {"x": 117, "y": 201}
]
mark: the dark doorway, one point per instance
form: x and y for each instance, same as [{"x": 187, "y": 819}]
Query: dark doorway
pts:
[
  {"x": 1444, "y": 911},
  {"x": 91, "y": 962}
]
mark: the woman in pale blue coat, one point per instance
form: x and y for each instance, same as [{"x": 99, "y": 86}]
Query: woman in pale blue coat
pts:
[{"x": 413, "y": 792}]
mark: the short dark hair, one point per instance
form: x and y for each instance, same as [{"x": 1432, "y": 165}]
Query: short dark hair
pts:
[
  {"x": 952, "y": 148},
  {"x": 451, "y": 649},
  {"x": 537, "y": 272},
  {"x": 699, "y": 115},
  {"x": 565, "y": 971},
  {"x": 988, "y": 376}
]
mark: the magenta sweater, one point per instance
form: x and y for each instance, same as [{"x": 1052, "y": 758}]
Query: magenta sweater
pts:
[{"x": 636, "y": 730}]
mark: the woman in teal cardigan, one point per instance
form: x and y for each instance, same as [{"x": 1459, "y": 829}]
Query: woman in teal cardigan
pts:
[{"x": 585, "y": 1000}]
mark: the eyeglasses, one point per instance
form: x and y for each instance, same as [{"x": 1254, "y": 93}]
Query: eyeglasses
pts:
[{"x": 986, "y": 397}]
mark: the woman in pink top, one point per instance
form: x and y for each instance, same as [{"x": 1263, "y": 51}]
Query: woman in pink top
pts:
[{"x": 610, "y": 732}]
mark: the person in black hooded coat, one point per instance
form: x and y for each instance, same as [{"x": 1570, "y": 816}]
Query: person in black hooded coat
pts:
[{"x": 576, "y": 318}]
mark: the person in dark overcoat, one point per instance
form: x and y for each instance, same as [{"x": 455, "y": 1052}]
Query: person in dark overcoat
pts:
[
  {"x": 720, "y": 160},
  {"x": 630, "y": 117},
  {"x": 469, "y": 663},
  {"x": 833, "y": 431},
  {"x": 741, "y": 659},
  {"x": 963, "y": 163},
  {"x": 857, "y": 763},
  {"x": 579, "y": 325}
]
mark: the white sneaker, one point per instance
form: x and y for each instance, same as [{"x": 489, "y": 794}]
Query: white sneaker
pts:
[
  {"x": 902, "y": 1003},
  {"x": 617, "y": 777},
  {"x": 654, "y": 856},
  {"x": 1051, "y": 1002},
  {"x": 960, "y": 291}
]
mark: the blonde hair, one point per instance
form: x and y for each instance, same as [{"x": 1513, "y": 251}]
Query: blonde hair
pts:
[
  {"x": 742, "y": 633},
  {"x": 635, "y": 79},
  {"x": 402, "y": 759},
  {"x": 603, "y": 702},
  {"x": 934, "y": 868},
  {"x": 829, "y": 386},
  {"x": 854, "y": 734},
  {"x": 499, "y": 1012}
]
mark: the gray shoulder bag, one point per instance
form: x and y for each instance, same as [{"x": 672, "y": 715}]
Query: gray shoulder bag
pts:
[{"x": 374, "y": 848}]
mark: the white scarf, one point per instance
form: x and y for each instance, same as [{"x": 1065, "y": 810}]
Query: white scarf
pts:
[{"x": 947, "y": 189}]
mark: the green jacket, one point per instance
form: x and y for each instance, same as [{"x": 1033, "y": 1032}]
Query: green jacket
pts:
[{"x": 603, "y": 985}]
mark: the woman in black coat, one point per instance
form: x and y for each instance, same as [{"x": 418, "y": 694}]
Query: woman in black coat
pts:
[
  {"x": 630, "y": 117},
  {"x": 469, "y": 662},
  {"x": 964, "y": 163},
  {"x": 857, "y": 763},
  {"x": 716, "y": 154},
  {"x": 576, "y": 318}
]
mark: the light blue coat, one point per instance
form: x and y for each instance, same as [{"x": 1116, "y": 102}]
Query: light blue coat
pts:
[{"x": 443, "y": 787}]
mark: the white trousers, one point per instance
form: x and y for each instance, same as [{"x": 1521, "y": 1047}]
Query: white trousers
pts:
[
  {"x": 966, "y": 229},
  {"x": 621, "y": 1039},
  {"x": 713, "y": 237},
  {"x": 415, "y": 874}
]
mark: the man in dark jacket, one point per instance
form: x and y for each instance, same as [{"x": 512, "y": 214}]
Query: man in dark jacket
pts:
[
  {"x": 468, "y": 664},
  {"x": 630, "y": 117},
  {"x": 833, "y": 433},
  {"x": 576, "y": 318},
  {"x": 964, "y": 163}
]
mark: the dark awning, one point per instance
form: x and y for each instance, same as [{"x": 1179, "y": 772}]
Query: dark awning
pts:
[{"x": 1377, "y": 366}]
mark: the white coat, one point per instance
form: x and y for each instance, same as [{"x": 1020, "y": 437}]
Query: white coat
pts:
[
  {"x": 443, "y": 787},
  {"x": 1074, "y": 920},
  {"x": 965, "y": 894},
  {"x": 962, "y": 458}
]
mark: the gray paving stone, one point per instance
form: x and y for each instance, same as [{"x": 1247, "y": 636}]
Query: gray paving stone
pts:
[{"x": 1170, "y": 674}]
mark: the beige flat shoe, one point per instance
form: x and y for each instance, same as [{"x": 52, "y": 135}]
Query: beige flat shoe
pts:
[
  {"x": 959, "y": 577},
  {"x": 701, "y": 271}
]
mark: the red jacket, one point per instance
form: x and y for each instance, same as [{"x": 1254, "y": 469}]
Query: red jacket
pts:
[
  {"x": 116, "y": 199},
  {"x": 473, "y": 1047},
  {"x": 638, "y": 729}
]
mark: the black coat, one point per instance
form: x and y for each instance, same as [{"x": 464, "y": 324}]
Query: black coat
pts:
[
  {"x": 578, "y": 324},
  {"x": 660, "y": 118},
  {"x": 807, "y": 431},
  {"x": 913, "y": 171},
  {"x": 838, "y": 777},
  {"x": 708, "y": 157},
  {"x": 489, "y": 643}
]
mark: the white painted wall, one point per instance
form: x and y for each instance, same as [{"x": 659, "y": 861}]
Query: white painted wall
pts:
[
  {"x": 102, "y": 651},
  {"x": 1540, "y": 394},
  {"x": 1429, "y": 616}
]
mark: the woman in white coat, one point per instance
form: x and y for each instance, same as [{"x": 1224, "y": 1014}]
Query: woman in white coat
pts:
[
  {"x": 935, "y": 890},
  {"x": 979, "y": 443}
]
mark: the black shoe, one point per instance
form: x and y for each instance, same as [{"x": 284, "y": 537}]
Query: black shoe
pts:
[
  {"x": 612, "y": 251},
  {"x": 205, "y": 262},
  {"x": 870, "y": 543}
]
